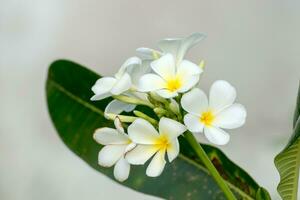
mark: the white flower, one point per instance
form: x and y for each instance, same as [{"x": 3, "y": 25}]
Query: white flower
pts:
[
  {"x": 219, "y": 112},
  {"x": 176, "y": 46},
  {"x": 150, "y": 142},
  {"x": 116, "y": 107},
  {"x": 170, "y": 79},
  {"x": 136, "y": 70},
  {"x": 121, "y": 82},
  {"x": 117, "y": 143}
]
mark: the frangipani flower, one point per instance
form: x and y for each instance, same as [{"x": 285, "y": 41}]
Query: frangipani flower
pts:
[
  {"x": 170, "y": 79},
  {"x": 121, "y": 82},
  {"x": 117, "y": 143},
  {"x": 135, "y": 71},
  {"x": 150, "y": 142},
  {"x": 178, "y": 47},
  {"x": 210, "y": 116}
]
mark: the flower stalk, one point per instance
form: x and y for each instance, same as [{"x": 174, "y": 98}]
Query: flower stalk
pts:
[
  {"x": 146, "y": 117},
  {"x": 132, "y": 100},
  {"x": 122, "y": 118},
  {"x": 211, "y": 168}
]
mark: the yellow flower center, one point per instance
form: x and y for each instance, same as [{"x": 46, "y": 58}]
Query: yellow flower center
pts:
[
  {"x": 162, "y": 142},
  {"x": 174, "y": 84},
  {"x": 207, "y": 118}
]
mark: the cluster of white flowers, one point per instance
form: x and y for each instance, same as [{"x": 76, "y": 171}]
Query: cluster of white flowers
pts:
[{"x": 167, "y": 83}]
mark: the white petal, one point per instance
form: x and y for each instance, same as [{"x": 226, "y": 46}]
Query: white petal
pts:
[
  {"x": 142, "y": 132},
  {"x": 187, "y": 68},
  {"x": 107, "y": 136},
  {"x": 122, "y": 85},
  {"x": 221, "y": 95},
  {"x": 102, "y": 88},
  {"x": 188, "y": 83},
  {"x": 118, "y": 125},
  {"x": 157, "y": 164},
  {"x": 173, "y": 150},
  {"x": 232, "y": 117},
  {"x": 171, "y": 128},
  {"x": 97, "y": 97},
  {"x": 193, "y": 123},
  {"x": 140, "y": 154},
  {"x": 137, "y": 72},
  {"x": 110, "y": 154},
  {"x": 188, "y": 43},
  {"x": 116, "y": 107},
  {"x": 121, "y": 170},
  {"x": 148, "y": 54},
  {"x": 179, "y": 46},
  {"x": 216, "y": 136},
  {"x": 194, "y": 102},
  {"x": 150, "y": 82},
  {"x": 166, "y": 93},
  {"x": 170, "y": 45},
  {"x": 164, "y": 66},
  {"x": 129, "y": 63}
]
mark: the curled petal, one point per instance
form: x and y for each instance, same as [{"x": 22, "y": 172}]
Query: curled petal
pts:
[
  {"x": 130, "y": 63},
  {"x": 148, "y": 54},
  {"x": 122, "y": 85},
  {"x": 117, "y": 107},
  {"x": 188, "y": 43},
  {"x": 170, "y": 45},
  {"x": 102, "y": 88},
  {"x": 137, "y": 72}
]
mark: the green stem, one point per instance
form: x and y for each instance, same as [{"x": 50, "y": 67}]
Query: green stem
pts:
[
  {"x": 210, "y": 167},
  {"x": 123, "y": 118},
  {"x": 132, "y": 100},
  {"x": 146, "y": 117}
]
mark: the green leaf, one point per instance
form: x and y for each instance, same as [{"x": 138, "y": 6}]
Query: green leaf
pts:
[
  {"x": 75, "y": 118},
  {"x": 288, "y": 161},
  {"x": 262, "y": 194}
]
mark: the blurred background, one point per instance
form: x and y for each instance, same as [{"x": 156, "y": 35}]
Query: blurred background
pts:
[{"x": 252, "y": 44}]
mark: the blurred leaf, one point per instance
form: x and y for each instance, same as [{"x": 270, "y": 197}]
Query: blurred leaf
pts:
[
  {"x": 75, "y": 118},
  {"x": 262, "y": 194},
  {"x": 288, "y": 161}
]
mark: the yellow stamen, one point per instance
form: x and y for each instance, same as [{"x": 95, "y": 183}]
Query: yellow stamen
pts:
[
  {"x": 173, "y": 84},
  {"x": 162, "y": 142},
  {"x": 207, "y": 118}
]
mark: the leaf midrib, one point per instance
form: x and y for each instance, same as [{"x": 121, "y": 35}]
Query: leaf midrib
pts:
[{"x": 100, "y": 112}]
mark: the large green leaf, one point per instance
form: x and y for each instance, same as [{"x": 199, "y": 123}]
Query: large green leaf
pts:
[
  {"x": 75, "y": 117},
  {"x": 288, "y": 161}
]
